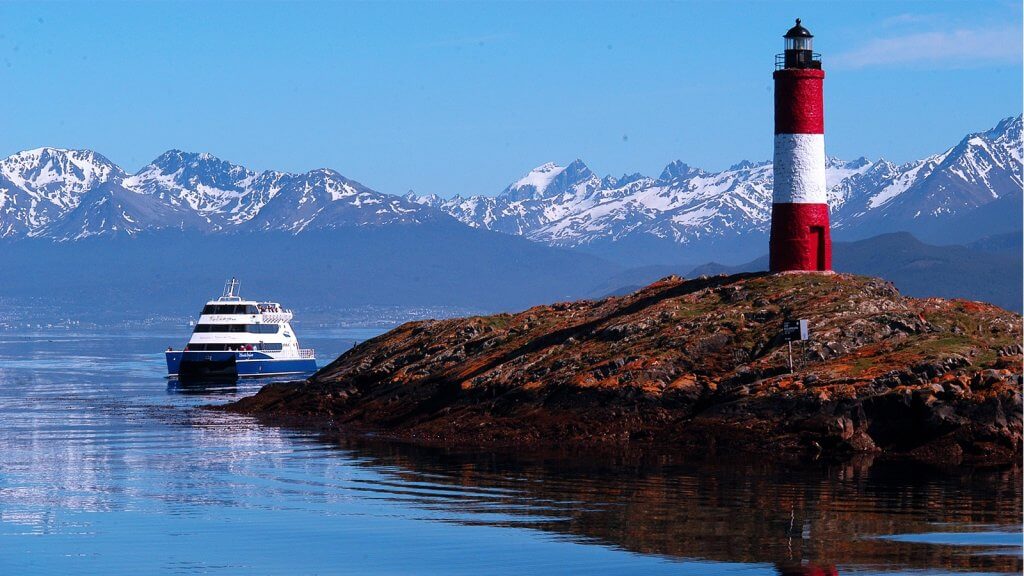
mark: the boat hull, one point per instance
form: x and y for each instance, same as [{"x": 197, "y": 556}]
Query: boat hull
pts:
[{"x": 233, "y": 365}]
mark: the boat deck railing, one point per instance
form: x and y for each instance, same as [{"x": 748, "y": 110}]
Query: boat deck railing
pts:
[
  {"x": 277, "y": 317},
  {"x": 266, "y": 307},
  {"x": 307, "y": 353}
]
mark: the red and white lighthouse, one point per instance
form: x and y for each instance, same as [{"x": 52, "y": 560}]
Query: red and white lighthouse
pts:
[{"x": 800, "y": 236}]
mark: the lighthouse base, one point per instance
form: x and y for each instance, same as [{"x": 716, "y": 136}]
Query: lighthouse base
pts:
[
  {"x": 796, "y": 272},
  {"x": 801, "y": 240}
]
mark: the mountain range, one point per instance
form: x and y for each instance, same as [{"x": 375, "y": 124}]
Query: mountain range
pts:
[
  {"x": 74, "y": 194},
  {"x": 75, "y": 225},
  {"x": 692, "y": 213},
  {"x": 707, "y": 212}
]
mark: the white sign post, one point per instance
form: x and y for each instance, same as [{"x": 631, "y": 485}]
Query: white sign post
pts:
[{"x": 793, "y": 330}]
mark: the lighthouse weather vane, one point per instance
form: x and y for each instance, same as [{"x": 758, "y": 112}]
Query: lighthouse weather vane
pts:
[{"x": 800, "y": 235}]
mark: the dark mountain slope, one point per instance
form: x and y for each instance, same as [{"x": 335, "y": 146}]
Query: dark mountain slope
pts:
[
  {"x": 402, "y": 265},
  {"x": 917, "y": 269}
]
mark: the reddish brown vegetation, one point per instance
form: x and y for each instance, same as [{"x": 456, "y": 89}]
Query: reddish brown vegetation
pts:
[{"x": 692, "y": 365}]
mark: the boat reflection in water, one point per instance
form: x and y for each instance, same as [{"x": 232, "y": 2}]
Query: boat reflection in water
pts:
[
  {"x": 203, "y": 387},
  {"x": 222, "y": 386},
  {"x": 800, "y": 519}
]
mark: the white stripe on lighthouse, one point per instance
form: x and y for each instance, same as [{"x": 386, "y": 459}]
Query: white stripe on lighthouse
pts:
[{"x": 799, "y": 168}]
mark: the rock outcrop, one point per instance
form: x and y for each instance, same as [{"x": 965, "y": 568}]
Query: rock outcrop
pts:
[{"x": 691, "y": 365}]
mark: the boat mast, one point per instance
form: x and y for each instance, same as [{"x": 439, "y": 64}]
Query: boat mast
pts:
[{"x": 231, "y": 290}]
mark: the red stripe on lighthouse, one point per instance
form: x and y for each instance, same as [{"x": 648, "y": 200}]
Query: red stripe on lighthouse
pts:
[
  {"x": 801, "y": 238},
  {"x": 799, "y": 105}
]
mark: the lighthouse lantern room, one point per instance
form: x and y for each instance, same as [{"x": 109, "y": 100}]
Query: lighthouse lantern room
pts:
[{"x": 800, "y": 235}]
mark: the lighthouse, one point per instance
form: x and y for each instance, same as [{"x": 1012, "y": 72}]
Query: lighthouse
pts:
[{"x": 800, "y": 238}]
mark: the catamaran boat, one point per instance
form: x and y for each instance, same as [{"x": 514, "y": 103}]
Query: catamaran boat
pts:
[{"x": 236, "y": 337}]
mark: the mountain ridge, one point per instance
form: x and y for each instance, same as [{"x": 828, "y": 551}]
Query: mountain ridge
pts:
[
  {"x": 684, "y": 213},
  {"x": 688, "y": 205}
]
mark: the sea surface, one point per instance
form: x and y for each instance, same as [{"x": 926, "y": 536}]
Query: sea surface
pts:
[{"x": 106, "y": 467}]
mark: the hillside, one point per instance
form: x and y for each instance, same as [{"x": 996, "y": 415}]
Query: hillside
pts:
[
  {"x": 171, "y": 272},
  {"x": 694, "y": 365},
  {"x": 989, "y": 269}
]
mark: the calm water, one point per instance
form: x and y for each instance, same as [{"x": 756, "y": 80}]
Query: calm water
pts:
[{"x": 106, "y": 469}]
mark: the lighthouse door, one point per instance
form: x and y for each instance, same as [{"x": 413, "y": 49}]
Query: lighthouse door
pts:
[{"x": 818, "y": 246}]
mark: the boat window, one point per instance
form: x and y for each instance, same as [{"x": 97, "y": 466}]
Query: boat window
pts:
[
  {"x": 230, "y": 309},
  {"x": 204, "y": 347},
  {"x": 250, "y": 328},
  {"x": 269, "y": 347}
]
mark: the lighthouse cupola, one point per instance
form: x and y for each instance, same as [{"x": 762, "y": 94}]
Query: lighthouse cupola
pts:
[{"x": 799, "y": 51}]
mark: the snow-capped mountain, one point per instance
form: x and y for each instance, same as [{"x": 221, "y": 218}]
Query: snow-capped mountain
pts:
[
  {"x": 684, "y": 204},
  {"x": 40, "y": 186},
  {"x": 110, "y": 209},
  {"x": 572, "y": 207},
  {"x": 219, "y": 192},
  {"x": 227, "y": 196},
  {"x": 73, "y": 194},
  {"x": 981, "y": 169},
  {"x": 547, "y": 194},
  {"x": 323, "y": 199}
]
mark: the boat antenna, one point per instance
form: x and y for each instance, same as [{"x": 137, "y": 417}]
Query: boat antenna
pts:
[{"x": 231, "y": 288}]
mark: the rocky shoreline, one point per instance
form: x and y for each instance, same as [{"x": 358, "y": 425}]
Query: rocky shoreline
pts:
[{"x": 690, "y": 366}]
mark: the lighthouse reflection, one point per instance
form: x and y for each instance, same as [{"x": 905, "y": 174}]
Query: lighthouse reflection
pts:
[{"x": 792, "y": 519}]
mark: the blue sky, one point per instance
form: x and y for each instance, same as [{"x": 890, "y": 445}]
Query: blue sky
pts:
[{"x": 466, "y": 97}]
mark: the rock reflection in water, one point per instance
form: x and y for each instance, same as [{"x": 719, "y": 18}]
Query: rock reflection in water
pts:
[{"x": 803, "y": 519}]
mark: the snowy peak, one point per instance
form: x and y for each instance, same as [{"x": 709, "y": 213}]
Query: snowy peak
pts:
[
  {"x": 70, "y": 195},
  {"x": 679, "y": 169},
  {"x": 572, "y": 207},
  {"x": 195, "y": 170},
  {"x": 860, "y": 164},
  {"x": 1008, "y": 129},
  {"x": 39, "y": 186},
  {"x": 534, "y": 183},
  {"x": 220, "y": 192},
  {"x": 56, "y": 170}
]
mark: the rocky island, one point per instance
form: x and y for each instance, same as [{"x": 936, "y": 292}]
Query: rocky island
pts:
[{"x": 692, "y": 366}]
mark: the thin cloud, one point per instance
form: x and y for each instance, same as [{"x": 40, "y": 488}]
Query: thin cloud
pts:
[{"x": 963, "y": 48}]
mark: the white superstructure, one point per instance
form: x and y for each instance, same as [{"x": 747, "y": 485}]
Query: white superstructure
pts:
[{"x": 244, "y": 337}]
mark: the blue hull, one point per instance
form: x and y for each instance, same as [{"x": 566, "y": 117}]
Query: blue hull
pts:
[{"x": 234, "y": 364}]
